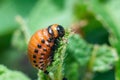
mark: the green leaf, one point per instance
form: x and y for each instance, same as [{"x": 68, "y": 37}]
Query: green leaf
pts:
[
  {"x": 6, "y": 74},
  {"x": 72, "y": 71},
  {"x": 99, "y": 58},
  {"x": 107, "y": 11},
  {"x": 18, "y": 41},
  {"x": 79, "y": 49},
  {"x": 103, "y": 58},
  {"x": 77, "y": 54}
]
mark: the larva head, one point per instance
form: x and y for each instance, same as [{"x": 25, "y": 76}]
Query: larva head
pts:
[{"x": 56, "y": 30}]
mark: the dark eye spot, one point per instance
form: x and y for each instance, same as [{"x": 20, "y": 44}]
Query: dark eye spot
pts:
[
  {"x": 43, "y": 41},
  {"x": 50, "y": 31},
  {"x": 34, "y": 56},
  {"x": 60, "y": 30},
  {"x": 39, "y": 46},
  {"x": 36, "y": 51}
]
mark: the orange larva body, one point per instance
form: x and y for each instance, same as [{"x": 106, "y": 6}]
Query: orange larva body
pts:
[{"x": 42, "y": 44}]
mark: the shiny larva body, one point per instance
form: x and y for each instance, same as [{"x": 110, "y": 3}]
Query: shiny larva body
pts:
[{"x": 42, "y": 45}]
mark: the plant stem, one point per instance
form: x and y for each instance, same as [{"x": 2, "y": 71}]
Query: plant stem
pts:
[
  {"x": 59, "y": 72},
  {"x": 24, "y": 27},
  {"x": 89, "y": 72}
]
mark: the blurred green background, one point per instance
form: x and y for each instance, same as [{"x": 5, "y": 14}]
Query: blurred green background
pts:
[{"x": 92, "y": 52}]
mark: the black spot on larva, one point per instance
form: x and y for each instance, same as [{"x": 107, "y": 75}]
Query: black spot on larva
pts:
[
  {"x": 44, "y": 49},
  {"x": 41, "y": 68},
  {"x": 53, "y": 48},
  {"x": 39, "y": 46},
  {"x": 48, "y": 45},
  {"x": 50, "y": 39},
  {"x": 41, "y": 62},
  {"x": 51, "y": 58},
  {"x": 42, "y": 54},
  {"x": 56, "y": 41},
  {"x": 42, "y": 65},
  {"x": 40, "y": 58},
  {"x": 43, "y": 41},
  {"x": 36, "y": 51},
  {"x": 36, "y": 65},
  {"x": 34, "y": 61},
  {"x": 34, "y": 56}
]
